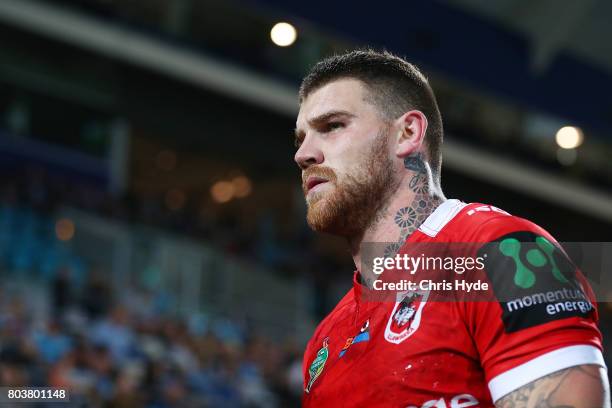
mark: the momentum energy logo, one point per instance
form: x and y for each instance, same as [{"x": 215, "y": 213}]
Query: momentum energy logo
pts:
[
  {"x": 543, "y": 255},
  {"x": 533, "y": 280}
]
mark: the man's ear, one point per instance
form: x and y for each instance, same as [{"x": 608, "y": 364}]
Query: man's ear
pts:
[{"x": 411, "y": 128}]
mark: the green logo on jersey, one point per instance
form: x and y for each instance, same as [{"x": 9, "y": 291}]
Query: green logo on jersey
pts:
[
  {"x": 534, "y": 280},
  {"x": 316, "y": 368},
  {"x": 524, "y": 277}
]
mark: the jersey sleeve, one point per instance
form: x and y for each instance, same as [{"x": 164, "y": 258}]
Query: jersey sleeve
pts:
[{"x": 544, "y": 316}]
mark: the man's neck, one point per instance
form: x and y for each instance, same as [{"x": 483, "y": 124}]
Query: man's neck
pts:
[{"x": 416, "y": 198}]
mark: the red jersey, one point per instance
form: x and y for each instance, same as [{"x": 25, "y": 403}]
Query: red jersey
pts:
[{"x": 417, "y": 353}]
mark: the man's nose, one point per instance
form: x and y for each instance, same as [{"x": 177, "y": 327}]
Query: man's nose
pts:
[{"x": 307, "y": 155}]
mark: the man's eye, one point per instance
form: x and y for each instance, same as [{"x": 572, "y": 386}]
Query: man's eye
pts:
[{"x": 333, "y": 126}]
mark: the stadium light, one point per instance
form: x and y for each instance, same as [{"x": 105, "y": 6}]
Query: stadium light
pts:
[
  {"x": 569, "y": 137},
  {"x": 222, "y": 191},
  {"x": 283, "y": 34}
]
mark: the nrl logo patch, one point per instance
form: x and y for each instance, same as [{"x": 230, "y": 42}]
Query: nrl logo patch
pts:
[
  {"x": 406, "y": 316},
  {"x": 316, "y": 368}
]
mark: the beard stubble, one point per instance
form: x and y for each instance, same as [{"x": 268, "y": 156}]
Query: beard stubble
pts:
[{"x": 358, "y": 199}]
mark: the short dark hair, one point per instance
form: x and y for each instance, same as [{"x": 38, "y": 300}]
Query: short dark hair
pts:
[{"x": 395, "y": 86}]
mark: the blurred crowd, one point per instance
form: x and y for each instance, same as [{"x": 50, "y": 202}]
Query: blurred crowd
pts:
[
  {"x": 129, "y": 352},
  {"x": 62, "y": 325}
]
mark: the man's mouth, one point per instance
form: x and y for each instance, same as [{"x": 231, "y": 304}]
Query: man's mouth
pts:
[{"x": 314, "y": 181}]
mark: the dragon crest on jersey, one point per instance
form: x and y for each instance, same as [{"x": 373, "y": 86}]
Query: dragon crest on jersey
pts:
[{"x": 406, "y": 316}]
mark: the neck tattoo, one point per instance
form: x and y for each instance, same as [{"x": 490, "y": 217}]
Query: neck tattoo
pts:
[{"x": 409, "y": 218}]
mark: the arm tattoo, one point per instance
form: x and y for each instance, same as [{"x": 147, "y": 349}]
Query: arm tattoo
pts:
[
  {"x": 574, "y": 387},
  {"x": 409, "y": 218}
]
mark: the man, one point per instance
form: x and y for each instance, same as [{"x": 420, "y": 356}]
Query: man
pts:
[{"x": 369, "y": 135}]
